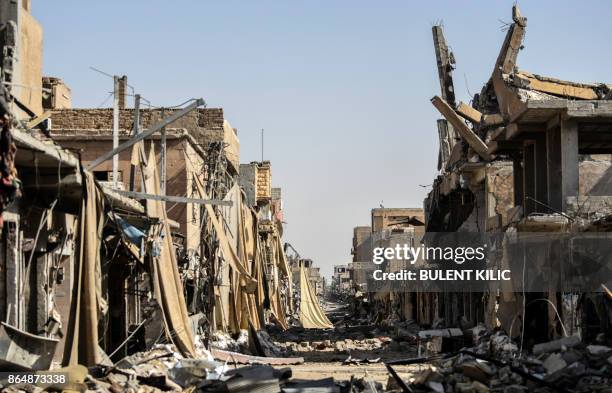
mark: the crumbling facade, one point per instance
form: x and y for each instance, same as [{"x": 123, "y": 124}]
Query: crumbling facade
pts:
[
  {"x": 530, "y": 154},
  {"x": 126, "y": 227}
]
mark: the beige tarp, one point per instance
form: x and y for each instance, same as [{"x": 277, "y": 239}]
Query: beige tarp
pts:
[
  {"x": 249, "y": 305},
  {"x": 242, "y": 249},
  {"x": 226, "y": 248},
  {"x": 164, "y": 270},
  {"x": 244, "y": 285},
  {"x": 82, "y": 333},
  {"x": 311, "y": 314},
  {"x": 276, "y": 304}
]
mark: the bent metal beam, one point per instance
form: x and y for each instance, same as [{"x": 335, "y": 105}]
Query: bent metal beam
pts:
[
  {"x": 145, "y": 134},
  {"x": 170, "y": 198}
]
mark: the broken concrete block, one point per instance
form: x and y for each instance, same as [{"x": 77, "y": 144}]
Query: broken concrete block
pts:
[
  {"x": 556, "y": 345},
  {"x": 477, "y": 371},
  {"x": 436, "y": 386},
  {"x": 554, "y": 363},
  {"x": 452, "y": 332},
  {"x": 479, "y": 387},
  {"x": 434, "y": 345},
  {"x": 572, "y": 356},
  {"x": 598, "y": 349}
]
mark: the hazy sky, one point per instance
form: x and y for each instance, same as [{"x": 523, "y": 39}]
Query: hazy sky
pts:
[{"x": 342, "y": 88}]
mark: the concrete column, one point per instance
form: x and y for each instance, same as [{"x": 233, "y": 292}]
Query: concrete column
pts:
[
  {"x": 562, "y": 151},
  {"x": 517, "y": 174},
  {"x": 529, "y": 179},
  {"x": 122, "y": 92},
  {"x": 541, "y": 174},
  {"x": 14, "y": 274}
]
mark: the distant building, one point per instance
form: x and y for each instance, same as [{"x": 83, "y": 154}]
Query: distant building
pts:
[
  {"x": 342, "y": 278},
  {"x": 389, "y": 227},
  {"x": 359, "y": 272},
  {"x": 317, "y": 282},
  {"x": 57, "y": 95},
  {"x": 390, "y": 218},
  {"x": 362, "y": 249}
]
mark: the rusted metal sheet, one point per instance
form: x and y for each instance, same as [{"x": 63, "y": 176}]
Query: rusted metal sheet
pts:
[{"x": 20, "y": 350}]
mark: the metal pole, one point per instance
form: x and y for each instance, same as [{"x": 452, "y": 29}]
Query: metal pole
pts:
[
  {"x": 163, "y": 159},
  {"x": 136, "y": 114},
  {"x": 136, "y": 130},
  {"x": 115, "y": 129},
  {"x": 262, "y": 144},
  {"x": 176, "y": 199}
]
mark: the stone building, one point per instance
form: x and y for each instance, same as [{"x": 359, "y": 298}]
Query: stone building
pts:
[
  {"x": 22, "y": 40},
  {"x": 341, "y": 281},
  {"x": 389, "y": 218},
  {"x": 88, "y": 132},
  {"x": 389, "y": 226},
  {"x": 56, "y": 94},
  {"x": 529, "y": 157}
]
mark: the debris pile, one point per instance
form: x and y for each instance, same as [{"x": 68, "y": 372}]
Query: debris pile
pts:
[
  {"x": 496, "y": 364},
  {"x": 164, "y": 369}
]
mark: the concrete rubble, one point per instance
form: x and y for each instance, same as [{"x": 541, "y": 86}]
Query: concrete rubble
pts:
[{"x": 495, "y": 364}]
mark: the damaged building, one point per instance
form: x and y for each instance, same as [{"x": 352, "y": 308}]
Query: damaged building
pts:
[
  {"x": 526, "y": 165},
  {"x": 530, "y": 153},
  {"x": 127, "y": 227}
]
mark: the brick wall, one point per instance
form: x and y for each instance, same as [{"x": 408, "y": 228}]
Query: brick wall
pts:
[
  {"x": 264, "y": 182},
  {"x": 206, "y": 124}
]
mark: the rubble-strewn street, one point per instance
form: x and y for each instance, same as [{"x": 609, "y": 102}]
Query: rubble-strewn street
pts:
[{"x": 141, "y": 252}]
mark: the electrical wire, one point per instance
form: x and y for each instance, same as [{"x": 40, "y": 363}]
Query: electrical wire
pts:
[
  {"x": 42, "y": 223},
  {"x": 129, "y": 337},
  {"x": 105, "y": 100},
  {"x": 556, "y": 312}
]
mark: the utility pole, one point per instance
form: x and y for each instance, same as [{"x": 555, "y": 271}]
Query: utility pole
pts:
[
  {"x": 163, "y": 158},
  {"x": 115, "y": 129},
  {"x": 136, "y": 130}
]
